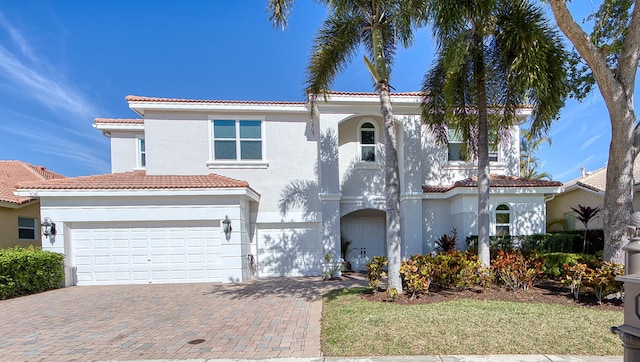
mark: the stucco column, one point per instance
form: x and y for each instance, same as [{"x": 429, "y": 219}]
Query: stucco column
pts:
[
  {"x": 329, "y": 183},
  {"x": 410, "y": 162}
]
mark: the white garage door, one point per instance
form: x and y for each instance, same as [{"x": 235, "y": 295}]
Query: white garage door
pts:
[
  {"x": 288, "y": 250},
  {"x": 140, "y": 253}
]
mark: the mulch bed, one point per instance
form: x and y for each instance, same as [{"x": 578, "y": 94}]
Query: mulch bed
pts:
[{"x": 547, "y": 291}]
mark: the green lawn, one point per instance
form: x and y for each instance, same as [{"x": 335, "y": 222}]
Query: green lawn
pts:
[{"x": 354, "y": 327}]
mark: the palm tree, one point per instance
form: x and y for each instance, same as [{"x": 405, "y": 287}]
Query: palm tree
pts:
[
  {"x": 378, "y": 25},
  {"x": 529, "y": 163},
  {"x": 493, "y": 57}
]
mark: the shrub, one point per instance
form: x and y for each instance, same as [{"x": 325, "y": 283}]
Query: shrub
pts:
[
  {"x": 602, "y": 280},
  {"x": 599, "y": 280},
  {"x": 516, "y": 270},
  {"x": 554, "y": 263},
  {"x": 573, "y": 277},
  {"x": 453, "y": 270},
  {"x": 447, "y": 242},
  {"x": 29, "y": 270},
  {"x": 375, "y": 271},
  {"x": 557, "y": 242},
  {"x": 417, "y": 274}
]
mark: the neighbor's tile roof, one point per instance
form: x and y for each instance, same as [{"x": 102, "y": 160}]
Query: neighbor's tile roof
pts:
[
  {"x": 118, "y": 120},
  {"x": 597, "y": 180},
  {"x": 137, "y": 180},
  {"x": 15, "y": 172},
  {"x": 496, "y": 181}
]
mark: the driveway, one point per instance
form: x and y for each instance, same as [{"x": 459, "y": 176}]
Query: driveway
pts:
[{"x": 265, "y": 318}]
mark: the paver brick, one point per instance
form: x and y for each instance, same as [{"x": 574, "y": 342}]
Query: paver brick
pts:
[{"x": 264, "y": 318}]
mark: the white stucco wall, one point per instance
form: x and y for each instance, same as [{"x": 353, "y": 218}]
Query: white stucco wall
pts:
[
  {"x": 180, "y": 144},
  {"x": 124, "y": 151}
]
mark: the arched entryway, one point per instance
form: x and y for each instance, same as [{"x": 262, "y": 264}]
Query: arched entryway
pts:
[{"x": 366, "y": 229}]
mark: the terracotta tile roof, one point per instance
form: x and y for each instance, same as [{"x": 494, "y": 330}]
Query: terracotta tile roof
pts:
[
  {"x": 131, "y": 98},
  {"x": 398, "y": 94},
  {"x": 15, "y": 172},
  {"x": 496, "y": 181},
  {"x": 118, "y": 120},
  {"x": 435, "y": 189},
  {"x": 137, "y": 180}
]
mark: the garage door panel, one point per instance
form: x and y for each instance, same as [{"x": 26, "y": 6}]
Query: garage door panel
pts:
[
  {"x": 127, "y": 253},
  {"x": 289, "y": 251}
]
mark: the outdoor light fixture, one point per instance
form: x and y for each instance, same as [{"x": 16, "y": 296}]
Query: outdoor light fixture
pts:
[
  {"x": 48, "y": 227},
  {"x": 226, "y": 227}
]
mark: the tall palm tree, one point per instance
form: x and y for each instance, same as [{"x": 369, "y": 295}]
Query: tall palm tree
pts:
[
  {"x": 493, "y": 57},
  {"x": 529, "y": 163},
  {"x": 378, "y": 25}
]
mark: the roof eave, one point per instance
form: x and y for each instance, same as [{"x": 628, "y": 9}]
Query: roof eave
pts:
[
  {"x": 473, "y": 190},
  {"x": 17, "y": 205},
  {"x": 140, "y": 107},
  {"x": 219, "y": 191}
]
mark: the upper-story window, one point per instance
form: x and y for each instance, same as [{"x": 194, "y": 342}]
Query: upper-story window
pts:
[
  {"x": 503, "y": 220},
  {"x": 27, "y": 229},
  {"x": 367, "y": 142},
  {"x": 237, "y": 139},
  {"x": 142, "y": 153},
  {"x": 456, "y": 146}
]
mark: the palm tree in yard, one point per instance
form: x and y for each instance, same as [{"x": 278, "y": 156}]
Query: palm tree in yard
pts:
[
  {"x": 493, "y": 57},
  {"x": 378, "y": 26},
  {"x": 529, "y": 163}
]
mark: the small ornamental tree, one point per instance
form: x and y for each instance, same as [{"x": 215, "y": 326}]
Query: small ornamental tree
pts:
[{"x": 585, "y": 215}]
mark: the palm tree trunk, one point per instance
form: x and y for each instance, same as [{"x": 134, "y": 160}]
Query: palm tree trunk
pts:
[
  {"x": 392, "y": 187},
  {"x": 484, "y": 254}
]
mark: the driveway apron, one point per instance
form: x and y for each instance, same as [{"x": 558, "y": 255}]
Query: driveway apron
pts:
[{"x": 265, "y": 318}]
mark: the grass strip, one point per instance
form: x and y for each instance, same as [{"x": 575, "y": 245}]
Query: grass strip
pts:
[{"x": 355, "y": 327}]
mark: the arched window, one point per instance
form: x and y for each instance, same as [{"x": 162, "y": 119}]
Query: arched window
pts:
[
  {"x": 368, "y": 142},
  {"x": 503, "y": 220}
]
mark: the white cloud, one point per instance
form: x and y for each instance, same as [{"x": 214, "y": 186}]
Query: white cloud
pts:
[
  {"x": 27, "y": 71},
  {"x": 590, "y": 141},
  {"x": 18, "y": 39}
]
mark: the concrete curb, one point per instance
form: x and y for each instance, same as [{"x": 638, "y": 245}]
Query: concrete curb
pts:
[{"x": 436, "y": 358}]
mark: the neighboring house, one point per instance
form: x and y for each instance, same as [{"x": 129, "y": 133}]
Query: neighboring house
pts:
[
  {"x": 290, "y": 188},
  {"x": 586, "y": 190},
  {"x": 20, "y": 215}
]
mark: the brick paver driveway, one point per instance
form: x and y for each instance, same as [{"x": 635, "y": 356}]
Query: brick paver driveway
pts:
[{"x": 265, "y": 318}]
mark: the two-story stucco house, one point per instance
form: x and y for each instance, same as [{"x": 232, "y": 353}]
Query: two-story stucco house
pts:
[{"x": 289, "y": 186}]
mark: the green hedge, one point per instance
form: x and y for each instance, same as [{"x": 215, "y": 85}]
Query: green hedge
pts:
[
  {"x": 29, "y": 270},
  {"x": 556, "y": 242}
]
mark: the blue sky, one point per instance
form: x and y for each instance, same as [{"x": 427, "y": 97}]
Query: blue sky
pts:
[{"x": 65, "y": 62}]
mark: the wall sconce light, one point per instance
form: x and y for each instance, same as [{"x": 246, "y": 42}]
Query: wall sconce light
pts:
[
  {"x": 226, "y": 227},
  {"x": 48, "y": 227}
]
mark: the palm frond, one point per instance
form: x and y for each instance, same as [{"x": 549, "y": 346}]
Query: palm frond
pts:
[
  {"x": 334, "y": 47},
  {"x": 278, "y": 11}
]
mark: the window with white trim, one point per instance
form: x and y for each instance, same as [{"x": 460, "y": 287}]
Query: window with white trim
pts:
[
  {"x": 27, "y": 228},
  {"x": 367, "y": 142},
  {"x": 142, "y": 153},
  {"x": 455, "y": 145},
  {"x": 503, "y": 220},
  {"x": 237, "y": 140}
]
